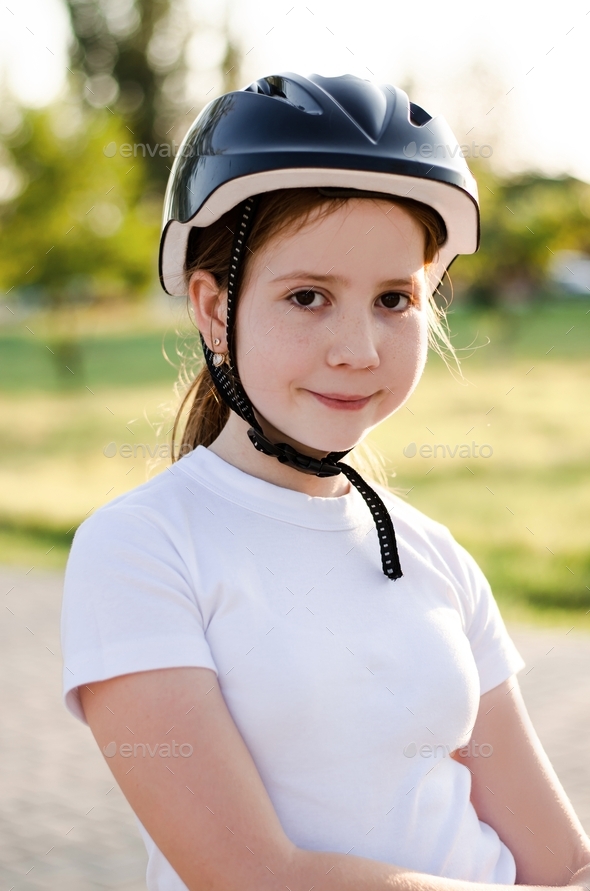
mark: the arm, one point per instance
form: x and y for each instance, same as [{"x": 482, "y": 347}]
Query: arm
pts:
[
  {"x": 209, "y": 812},
  {"x": 516, "y": 791}
]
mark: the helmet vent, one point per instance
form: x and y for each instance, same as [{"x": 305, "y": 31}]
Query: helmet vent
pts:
[
  {"x": 288, "y": 91},
  {"x": 418, "y": 116}
]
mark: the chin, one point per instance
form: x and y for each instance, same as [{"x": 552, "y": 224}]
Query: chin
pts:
[
  {"x": 327, "y": 443},
  {"x": 315, "y": 435}
]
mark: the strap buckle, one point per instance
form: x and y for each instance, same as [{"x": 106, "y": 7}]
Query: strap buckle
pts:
[{"x": 289, "y": 456}]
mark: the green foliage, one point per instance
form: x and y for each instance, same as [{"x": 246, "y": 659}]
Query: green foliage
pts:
[
  {"x": 525, "y": 220},
  {"x": 80, "y": 227},
  {"x": 133, "y": 61}
]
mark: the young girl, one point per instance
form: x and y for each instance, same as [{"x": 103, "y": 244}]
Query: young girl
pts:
[{"x": 299, "y": 680}]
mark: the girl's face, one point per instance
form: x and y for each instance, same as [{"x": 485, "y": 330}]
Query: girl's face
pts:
[{"x": 331, "y": 328}]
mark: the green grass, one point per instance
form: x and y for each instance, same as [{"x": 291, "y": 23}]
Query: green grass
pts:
[
  {"x": 523, "y": 512},
  {"x": 560, "y": 329},
  {"x": 28, "y": 543},
  {"x": 48, "y": 364}
]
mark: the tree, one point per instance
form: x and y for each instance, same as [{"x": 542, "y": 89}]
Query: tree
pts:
[
  {"x": 128, "y": 54},
  {"x": 131, "y": 58},
  {"x": 79, "y": 229},
  {"x": 525, "y": 220}
]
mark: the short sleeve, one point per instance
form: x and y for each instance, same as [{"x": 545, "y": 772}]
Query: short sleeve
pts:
[
  {"x": 494, "y": 651},
  {"x": 129, "y": 603}
]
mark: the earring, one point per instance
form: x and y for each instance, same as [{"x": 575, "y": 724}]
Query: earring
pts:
[
  {"x": 219, "y": 359},
  {"x": 216, "y": 341}
]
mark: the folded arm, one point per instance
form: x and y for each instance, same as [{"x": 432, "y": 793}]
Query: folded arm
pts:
[
  {"x": 206, "y": 808},
  {"x": 516, "y": 791}
]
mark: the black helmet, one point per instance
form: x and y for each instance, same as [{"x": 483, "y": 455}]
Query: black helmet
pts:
[
  {"x": 344, "y": 136},
  {"x": 289, "y": 131}
]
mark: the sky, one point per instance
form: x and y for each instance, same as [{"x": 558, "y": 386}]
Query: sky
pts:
[{"x": 511, "y": 76}]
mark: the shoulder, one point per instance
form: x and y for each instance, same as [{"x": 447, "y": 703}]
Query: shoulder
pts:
[
  {"x": 140, "y": 542},
  {"x": 150, "y": 511}
]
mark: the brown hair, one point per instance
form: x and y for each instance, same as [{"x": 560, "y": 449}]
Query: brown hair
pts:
[{"x": 209, "y": 249}]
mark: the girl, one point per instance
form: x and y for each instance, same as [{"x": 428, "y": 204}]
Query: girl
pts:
[{"x": 298, "y": 679}]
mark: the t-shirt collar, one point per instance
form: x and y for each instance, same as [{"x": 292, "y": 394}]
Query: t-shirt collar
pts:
[{"x": 312, "y": 511}]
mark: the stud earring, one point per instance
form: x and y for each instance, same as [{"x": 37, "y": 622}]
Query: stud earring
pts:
[{"x": 216, "y": 341}]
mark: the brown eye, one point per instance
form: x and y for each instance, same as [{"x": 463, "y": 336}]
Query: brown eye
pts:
[
  {"x": 395, "y": 300},
  {"x": 304, "y": 299}
]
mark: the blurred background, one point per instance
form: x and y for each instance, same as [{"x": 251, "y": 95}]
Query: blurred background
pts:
[{"x": 95, "y": 97}]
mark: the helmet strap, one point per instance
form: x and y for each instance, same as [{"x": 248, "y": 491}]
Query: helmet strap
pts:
[{"x": 227, "y": 382}]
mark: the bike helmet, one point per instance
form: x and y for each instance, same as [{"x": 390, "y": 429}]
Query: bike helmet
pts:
[{"x": 343, "y": 135}]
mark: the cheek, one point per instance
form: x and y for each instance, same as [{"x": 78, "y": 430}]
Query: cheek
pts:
[
  {"x": 407, "y": 353},
  {"x": 272, "y": 351},
  {"x": 421, "y": 345},
  {"x": 402, "y": 363}
]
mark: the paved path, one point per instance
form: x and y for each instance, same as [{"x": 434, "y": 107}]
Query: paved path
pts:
[{"x": 65, "y": 825}]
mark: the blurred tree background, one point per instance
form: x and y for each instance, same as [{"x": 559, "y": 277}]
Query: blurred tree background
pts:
[
  {"x": 131, "y": 57},
  {"x": 82, "y": 368},
  {"x": 83, "y": 180},
  {"x": 526, "y": 220}
]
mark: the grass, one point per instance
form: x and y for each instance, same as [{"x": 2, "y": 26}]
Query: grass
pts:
[
  {"x": 104, "y": 361},
  {"x": 523, "y": 511},
  {"x": 29, "y": 543}
]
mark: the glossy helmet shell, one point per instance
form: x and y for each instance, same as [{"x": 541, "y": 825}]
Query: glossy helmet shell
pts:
[{"x": 290, "y": 131}]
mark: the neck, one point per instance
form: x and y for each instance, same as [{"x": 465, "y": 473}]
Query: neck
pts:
[{"x": 233, "y": 446}]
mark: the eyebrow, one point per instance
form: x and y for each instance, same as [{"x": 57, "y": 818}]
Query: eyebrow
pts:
[{"x": 305, "y": 273}]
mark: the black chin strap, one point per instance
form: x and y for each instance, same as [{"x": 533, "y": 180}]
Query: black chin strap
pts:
[{"x": 229, "y": 387}]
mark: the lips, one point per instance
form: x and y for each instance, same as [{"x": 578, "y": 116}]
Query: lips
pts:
[{"x": 342, "y": 401}]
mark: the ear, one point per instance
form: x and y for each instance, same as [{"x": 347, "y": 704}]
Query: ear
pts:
[{"x": 209, "y": 305}]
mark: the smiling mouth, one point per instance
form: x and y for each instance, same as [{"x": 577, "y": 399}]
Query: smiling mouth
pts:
[{"x": 341, "y": 401}]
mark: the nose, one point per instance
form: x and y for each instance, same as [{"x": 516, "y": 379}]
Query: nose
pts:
[{"x": 351, "y": 339}]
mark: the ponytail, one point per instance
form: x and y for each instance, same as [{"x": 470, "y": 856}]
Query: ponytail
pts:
[{"x": 207, "y": 416}]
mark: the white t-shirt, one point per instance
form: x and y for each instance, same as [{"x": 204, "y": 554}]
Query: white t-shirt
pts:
[{"x": 349, "y": 689}]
